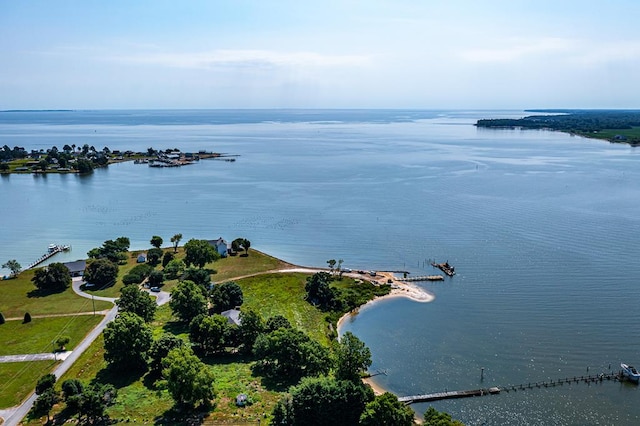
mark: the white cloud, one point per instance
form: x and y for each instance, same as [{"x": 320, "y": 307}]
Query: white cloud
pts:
[
  {"x": 252, "y": 59},
  {"x": 511, "y": 50}
]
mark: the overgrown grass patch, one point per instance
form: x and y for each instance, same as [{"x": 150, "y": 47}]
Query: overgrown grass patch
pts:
[
  {"x": 19, "y": 295},
  {"x": 39, "y": 335},
  {"x": 18, "y": 379},
  {"x": 284, "y": 294}
]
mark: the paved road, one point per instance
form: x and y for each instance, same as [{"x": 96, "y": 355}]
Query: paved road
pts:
[
  {"x": 14, "y": 415},
  {"x": 36, "y": 357}
]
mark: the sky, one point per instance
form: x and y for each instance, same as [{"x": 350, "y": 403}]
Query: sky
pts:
[{"x": 422, "y": 54}]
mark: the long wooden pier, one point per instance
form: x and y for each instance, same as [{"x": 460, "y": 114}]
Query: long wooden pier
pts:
[
  {"x": 423, "y": 278},
  {"x": 448, "y": 395},
  {"x": 48, "y": 255},
  {"x": 595, "y": 378}
]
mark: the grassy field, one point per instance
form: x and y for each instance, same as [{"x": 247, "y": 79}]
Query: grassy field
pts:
[
  {"x": 18, "y": 379},
  {"x": 283, "y": 294},
  {"x": 19, "y": 295},
  {"x": 37, "y": 336}
]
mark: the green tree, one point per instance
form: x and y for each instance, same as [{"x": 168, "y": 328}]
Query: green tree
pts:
[
  {"x": 4, "y": 167},
  {"x": 176, "y": 240},
  {"x": 199, "y": 253},
  {"x": 352, "y": 358},
  {"x": 47, "y": 396},
  {"x": 101, "y": 272},
  {"x": 289, "y": 354},
  {"x": 175, "y": 269},
  {"x": 156, "y": 278},
  {"x": 156, "y": 241},
  {"x": 386, "y": 410},
  {"x": 137, "y": 274},
  {"x": 61, "y": 342},
  {"x": 27, "y": 318},
  {"x": 226, "y": 296},
  {"x": 187, "y": 301},
  {"x": 13, "y": 266},
  {"x": 198, "y": 276},
  {"x": 433, "y": 417},
  {"x": 94, "y": 400},
  {"x": 318, "y": 290},
  {"x": 154, "y": 255},
  {"x": 208, "y": 333},
  {"x": 2, "y": 320},
  {"x": 127, "y": 340},
  {"x": 189, "y": 380},
  {"x": 45, "y": 383},
  {"x": 322, "y": 401},
  {"x": 251, "y": 326},
  {"x": 166, "y": 258},
  {"x": 52, "y": 278},
  {"x": 275, "y": 322},
  {"x": 72, "y": 394},
  {"x": 138, "y": 302},
  {"x": 160, "y": 349},
  {"x": 84, "y": 166}
]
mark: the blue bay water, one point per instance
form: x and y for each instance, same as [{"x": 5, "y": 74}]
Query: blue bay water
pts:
[{"x": 543, "y": 229}]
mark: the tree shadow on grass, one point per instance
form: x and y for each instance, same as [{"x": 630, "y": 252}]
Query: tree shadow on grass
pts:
[
  {"x": 176, "y": 327},
  {"x": 118, "y": 378},
  {"x": 180, "y": 416},
  {"x": 35, "y": 293}
]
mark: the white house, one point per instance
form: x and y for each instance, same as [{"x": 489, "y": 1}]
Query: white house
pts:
[{"x": 221, "y": 246}]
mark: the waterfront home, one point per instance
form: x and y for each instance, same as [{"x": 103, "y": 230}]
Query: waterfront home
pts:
[
  {"x": 76, "y": 268},
  {"x": 221, "y": 246}
]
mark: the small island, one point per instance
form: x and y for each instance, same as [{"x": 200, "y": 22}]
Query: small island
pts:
[
  {"x": 615, "y": 126},
  {"x": 82, "y": 160}
]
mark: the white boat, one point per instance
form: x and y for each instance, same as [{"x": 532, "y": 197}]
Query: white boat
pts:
[
  {"x": 630, "y": 372},
  {"x": 52, "y": 248}
]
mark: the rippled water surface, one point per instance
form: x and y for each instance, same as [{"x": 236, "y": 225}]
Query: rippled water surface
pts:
[{"x": 543, "y": 229}]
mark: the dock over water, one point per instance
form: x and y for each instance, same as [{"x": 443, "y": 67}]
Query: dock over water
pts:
[
  {"x": 596, "y": 378},
  {"x": 52, "y": 252},
  {"x": 449, "y": 395}
]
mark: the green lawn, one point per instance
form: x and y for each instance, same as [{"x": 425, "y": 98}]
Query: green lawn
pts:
[
  {"x": 283, "y": 294},
  {"x": 18, "y": 379},
  {"x": 37, "y": 336},
  {"x": 19, "y": 295},
  {"x": 610, "y": 134}
]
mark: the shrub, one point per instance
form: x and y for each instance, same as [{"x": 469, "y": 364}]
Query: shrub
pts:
[
  {"x": 27, "y": 318},
  {"x": 2, "y": 320}
]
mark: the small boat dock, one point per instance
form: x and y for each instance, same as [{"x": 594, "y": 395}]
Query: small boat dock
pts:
[
  {"x": 445, "y": 267},
  {"x": 448, "y": 395},
  {"x": 423, "y": 278},
  {"x": 51, "y": 251}
]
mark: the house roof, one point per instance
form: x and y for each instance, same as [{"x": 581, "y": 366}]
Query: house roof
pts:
[
  {"x": 76, "y": 266},
  {"x": 233, "y": 316}
]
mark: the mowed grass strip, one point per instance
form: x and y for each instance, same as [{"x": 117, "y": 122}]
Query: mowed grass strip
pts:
[
  {"x": 18, "y": 379},
  {"x": 39, "y": 335},
  {"x": 19, "y": 296}
]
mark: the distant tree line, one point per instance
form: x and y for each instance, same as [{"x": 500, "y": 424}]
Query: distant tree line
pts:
[{"x": 571, "y": 121}]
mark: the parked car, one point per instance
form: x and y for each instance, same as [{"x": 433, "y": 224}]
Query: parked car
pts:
[{"x": 155, "y": 289}]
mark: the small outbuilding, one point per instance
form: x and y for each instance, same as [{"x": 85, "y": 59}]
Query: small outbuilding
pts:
[
  {"x": 142, "y": 258},
  {"x": 242, "y": 399},
  {"x": 76, "y": 269}
]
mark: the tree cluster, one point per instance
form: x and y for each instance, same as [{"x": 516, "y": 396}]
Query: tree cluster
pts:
[
  {"x": 52, "y": 278},
  {"x": 114, "y": 250}
]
